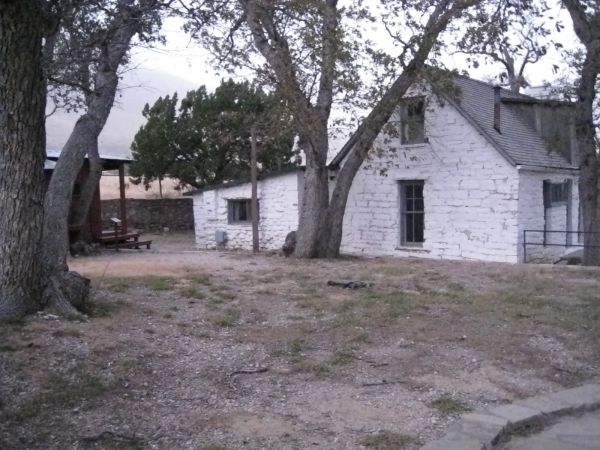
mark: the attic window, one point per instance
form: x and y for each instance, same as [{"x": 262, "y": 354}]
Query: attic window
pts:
[{"x": 412, "y": 120}]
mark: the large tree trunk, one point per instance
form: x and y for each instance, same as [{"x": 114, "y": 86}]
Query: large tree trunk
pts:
[
  {"x": 64, "y": 288},
  {"x": 586, "y": 24},
  {"x": 589, "y": 176},
  {"x": 589, "y": 189},
  {"x": 315, "y": 199},
  {"x": 22, "y": 154}
]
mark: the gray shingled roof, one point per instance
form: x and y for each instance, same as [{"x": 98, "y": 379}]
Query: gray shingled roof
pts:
[{"x": 518, "y": 142}]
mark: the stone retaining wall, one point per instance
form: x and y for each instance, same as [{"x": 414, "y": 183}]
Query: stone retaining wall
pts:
[{"x": 152, "y": 215}]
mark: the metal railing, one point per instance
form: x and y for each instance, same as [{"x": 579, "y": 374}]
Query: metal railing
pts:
[{"x": 567, "y": 244}]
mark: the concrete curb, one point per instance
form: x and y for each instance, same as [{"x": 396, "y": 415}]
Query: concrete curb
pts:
[{"x": 484, "y": 430}]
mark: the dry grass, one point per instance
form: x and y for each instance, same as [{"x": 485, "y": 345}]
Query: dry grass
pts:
[
  {"x": 164, "y": 350},
  {"x": 448, "y": 405},
  {"x": 387, "y": 440},
  {"x": 61, "y": 391}
]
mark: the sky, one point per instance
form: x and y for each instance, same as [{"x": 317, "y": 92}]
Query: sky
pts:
[{"x": 181, "y": 65}]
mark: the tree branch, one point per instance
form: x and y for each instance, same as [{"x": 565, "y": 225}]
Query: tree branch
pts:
[
  {"x": 276, "y": 52},
  {"x": 580, "y": 22},
  {"x": 328, "y": 59}
]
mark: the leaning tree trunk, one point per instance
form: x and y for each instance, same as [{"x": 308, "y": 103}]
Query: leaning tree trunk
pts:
[
  {"x": 65, "y": 291},
  {"x": 365, "y": 136},
  {"x": 331, "y": 237},
  {"x": 80, "y": 210},
  {"x": 22, "y": 154}
]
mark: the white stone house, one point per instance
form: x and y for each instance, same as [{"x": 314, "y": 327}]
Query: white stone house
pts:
[{"x": 462, "y": 177}]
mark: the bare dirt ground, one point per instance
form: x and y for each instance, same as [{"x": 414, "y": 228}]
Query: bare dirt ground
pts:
[{"x": 215, "y": 350}]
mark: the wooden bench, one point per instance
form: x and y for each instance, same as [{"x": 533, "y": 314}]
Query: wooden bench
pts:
[
  {"x": 131, "y": 244},
  {"x": 108, "y": 237},
  {"x": 117, "y": 238}
]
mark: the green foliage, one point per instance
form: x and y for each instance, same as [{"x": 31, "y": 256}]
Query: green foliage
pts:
[
  {"x": 207, "y": 140},
  {"x": 155, "y": 145}
]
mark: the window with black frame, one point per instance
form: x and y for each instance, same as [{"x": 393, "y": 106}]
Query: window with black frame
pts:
[
  {"x": 556, "y": 194},
  {"x": 412, "y": 213},
  {"x": 412, "y": 120},
  {"x": 239, "y": 210}
]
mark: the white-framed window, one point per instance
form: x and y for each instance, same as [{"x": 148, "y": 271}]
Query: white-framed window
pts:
[{"x": 412, "y": 213}]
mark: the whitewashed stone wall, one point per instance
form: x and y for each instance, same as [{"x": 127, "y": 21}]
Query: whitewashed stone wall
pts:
[
  {"x": 531, "y": 215},
  {"x": 476, "y": 203},
  {"x": 278, "y": 208},
  {"x": 470, "y": 194}
]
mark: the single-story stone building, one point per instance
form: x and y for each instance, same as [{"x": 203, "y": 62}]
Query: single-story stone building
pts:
[{"x": 463, "y": 176}]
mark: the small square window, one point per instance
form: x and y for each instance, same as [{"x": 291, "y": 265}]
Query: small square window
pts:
[
  {"x": 412, "y": 121},
  {"x": 239, "y": 210},
  {"x": 555, "y": 194}
]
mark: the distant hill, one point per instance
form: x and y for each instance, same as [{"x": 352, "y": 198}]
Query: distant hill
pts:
[{"x": 138, "y": 87}]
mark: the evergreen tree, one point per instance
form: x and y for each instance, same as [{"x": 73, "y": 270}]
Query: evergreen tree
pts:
[{"x": 209, "y": 140}]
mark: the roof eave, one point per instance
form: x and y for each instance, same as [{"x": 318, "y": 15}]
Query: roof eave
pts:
[
  {"x": 542, "y": 168},
  {"x": 230, "y": 184}
]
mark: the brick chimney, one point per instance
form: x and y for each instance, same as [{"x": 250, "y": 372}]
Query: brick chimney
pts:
[{"x": 497, "y": 108}]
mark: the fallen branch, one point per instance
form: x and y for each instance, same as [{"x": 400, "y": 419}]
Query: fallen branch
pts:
[
  {"x": 249, "y": 371},
  {"x": 383, "y": 383},
  {"x": 371, "y": 362},
  {"x": 349, "y": 284},
  {"x": 244, "y": 372},
  {"x": 111, "y": 435}
]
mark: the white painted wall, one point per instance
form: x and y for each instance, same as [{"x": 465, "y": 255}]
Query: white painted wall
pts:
[
  {"x": 531, "y": 214},
  {"x": 470, "y": 192},
  {"x": 476, "y": 203},
  {"x": 278, "y": 206}
]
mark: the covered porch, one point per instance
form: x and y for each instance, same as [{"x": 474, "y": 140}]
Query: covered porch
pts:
[{"x": 91, "y": 229}]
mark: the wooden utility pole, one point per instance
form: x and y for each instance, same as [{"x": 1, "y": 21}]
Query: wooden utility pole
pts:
[
  {"x": 254, "y": 180},
  {"x": 122, "y": 200}
]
